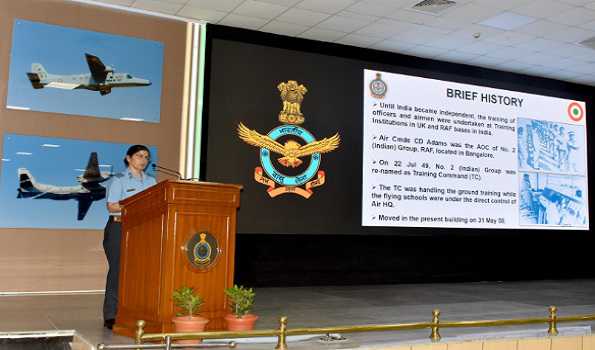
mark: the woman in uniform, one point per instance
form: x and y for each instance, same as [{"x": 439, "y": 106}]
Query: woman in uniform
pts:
[{"x": 131, "y": 181}]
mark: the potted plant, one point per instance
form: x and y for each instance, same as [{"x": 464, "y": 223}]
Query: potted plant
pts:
[
  {"x": 188, "y": 320},
  {"x": 241, "y": 300}
]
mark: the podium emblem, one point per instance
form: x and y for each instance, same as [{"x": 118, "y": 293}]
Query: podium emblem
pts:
[
  {"x": 290, "y": 146},
  {"x": 202, "y": 250}
]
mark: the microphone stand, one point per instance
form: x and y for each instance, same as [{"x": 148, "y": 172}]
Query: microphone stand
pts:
[
  {"x": 167, "y": 171},
  {"x": 172, "y": 172}
]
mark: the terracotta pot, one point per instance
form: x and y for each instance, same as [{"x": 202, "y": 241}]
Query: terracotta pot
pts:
[
  {"x": 187, "y": 324},
  {"x": 244, "y": 323}
]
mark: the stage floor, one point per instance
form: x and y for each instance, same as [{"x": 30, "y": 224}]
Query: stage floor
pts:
[{"x": 342, "y": 305}]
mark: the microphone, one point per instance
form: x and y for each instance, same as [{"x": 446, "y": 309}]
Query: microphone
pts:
[{"x": 167, "y": 171}]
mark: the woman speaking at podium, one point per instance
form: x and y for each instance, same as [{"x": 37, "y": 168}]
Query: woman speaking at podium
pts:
[{"x": 131, "y": 181}]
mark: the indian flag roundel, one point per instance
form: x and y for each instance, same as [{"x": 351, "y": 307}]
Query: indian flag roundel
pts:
[{"x": 575, "y": 111}]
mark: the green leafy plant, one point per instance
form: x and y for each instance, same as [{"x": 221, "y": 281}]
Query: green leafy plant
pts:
[
  {"x": 241, "y": 300},
  {"x": 186, "y": 299}
]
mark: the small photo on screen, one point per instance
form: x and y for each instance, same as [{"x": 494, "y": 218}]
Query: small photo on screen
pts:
[
  {"x": 549, "y": 146},
  {"x": 553, "y": 200}
]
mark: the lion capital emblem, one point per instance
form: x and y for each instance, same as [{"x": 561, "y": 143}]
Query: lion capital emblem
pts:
[{"x": 292, "y": 96}]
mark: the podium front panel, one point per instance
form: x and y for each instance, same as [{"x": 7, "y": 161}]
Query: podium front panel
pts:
[{"x": 158, "y": 225}]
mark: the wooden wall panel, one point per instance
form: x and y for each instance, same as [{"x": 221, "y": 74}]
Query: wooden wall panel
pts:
[
  {"x": 567, "y": 343},
  {"x": 430, "y": 347},
  {"x": 534, "y": 344},
  {"x": 589, "y": 342},
  {"x": 500, "y": 345},
  {"x": 400, "y": 347},
  {"x": 470, "y": 345},
  {"x": 545, "y": 343},
  {"x": 61, "y": 260}
]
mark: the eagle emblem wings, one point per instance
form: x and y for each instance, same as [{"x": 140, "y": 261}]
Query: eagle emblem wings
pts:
[{"x": 290, "y": 150}]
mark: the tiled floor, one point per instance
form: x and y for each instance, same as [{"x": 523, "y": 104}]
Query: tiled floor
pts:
[{"x": 335, "y": 306}]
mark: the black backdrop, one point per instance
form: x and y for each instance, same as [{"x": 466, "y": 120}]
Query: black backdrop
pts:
[{"x": 292, "y": 241}]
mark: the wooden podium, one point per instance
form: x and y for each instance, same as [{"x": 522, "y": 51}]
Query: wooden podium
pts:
[{"x": 161, "y": 230}]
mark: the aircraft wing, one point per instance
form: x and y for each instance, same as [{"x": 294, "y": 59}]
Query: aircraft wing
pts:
[
  {"x": 92, "y": 171},
  {"x": 94, "y": 186},
  {"x": 96, "y": 67},
  {"x": 84, "y": 205},
  {"x": 64, "y": 86}
]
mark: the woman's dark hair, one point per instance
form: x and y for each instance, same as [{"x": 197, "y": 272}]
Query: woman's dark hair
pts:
[{"x": 133, "y": 149}]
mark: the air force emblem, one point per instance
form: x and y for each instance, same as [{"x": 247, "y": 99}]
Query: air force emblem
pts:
[
  {"x": 291, "y": 146},
  {"x": 378, "y": 87}
]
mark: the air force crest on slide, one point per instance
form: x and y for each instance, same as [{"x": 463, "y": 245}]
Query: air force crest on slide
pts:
[
  {"x": 378, "y": 87},
  {"x": 292, "y": 143}
]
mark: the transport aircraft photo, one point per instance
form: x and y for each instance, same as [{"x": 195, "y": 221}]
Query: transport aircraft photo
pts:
[
  {"x": 85, "y": 193},
  {"x": 102, "y": 78}
]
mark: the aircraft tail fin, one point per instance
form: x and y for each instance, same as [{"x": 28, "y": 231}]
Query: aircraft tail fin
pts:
[
  {"x": 38, "y": 69},
  {"x": 26, "y": 182},
  {"x": 92, "y": 172},
  {"x": 35, "y": 80},
  {"x": 37, "y": 75}
]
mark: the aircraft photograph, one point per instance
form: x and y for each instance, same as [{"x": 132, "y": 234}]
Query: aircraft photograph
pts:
[
  {"x": 63, "y": 181},
  {"x": 101, "y": 78},
  {"x": 88, "y": 190},
  {"x": 85, "y": 73}
]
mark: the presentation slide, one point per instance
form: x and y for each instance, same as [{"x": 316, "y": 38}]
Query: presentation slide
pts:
[{"x": 444, "y": 154}]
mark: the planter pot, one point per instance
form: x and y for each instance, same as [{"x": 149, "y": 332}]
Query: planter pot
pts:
[
  {"x": 244, "y": 323},
  {"x": 187, "y": 324}
]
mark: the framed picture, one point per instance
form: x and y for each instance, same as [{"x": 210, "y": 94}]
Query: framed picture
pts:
[
  {"x": 58, "y": 183},
  {"x": 80, "y": 72}
]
